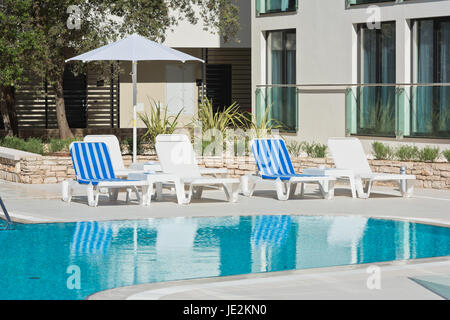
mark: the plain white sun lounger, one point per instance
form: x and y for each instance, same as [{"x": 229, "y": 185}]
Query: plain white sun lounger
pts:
[
  {"x": 177, "y": 159},
  {"x": 348, "y": 153}
]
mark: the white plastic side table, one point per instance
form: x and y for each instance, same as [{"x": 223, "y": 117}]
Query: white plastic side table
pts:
[{"x": 336, "y": 173}]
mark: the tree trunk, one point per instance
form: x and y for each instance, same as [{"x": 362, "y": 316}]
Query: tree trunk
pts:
[
  {"x": 63, "y": 125},
  {"x": 8, "y": 110}
]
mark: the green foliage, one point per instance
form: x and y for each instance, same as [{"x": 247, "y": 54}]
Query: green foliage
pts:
[
  {"x": 264, "y": 126},
  {"x": 429, "y": 154},
  {"x": 19, "y": 42},
  {"x": 294, "y": 148},
  {"x": 446, "y": 154},
  {"x": 57, "y": 145},
  {"x": 129, "y": 143},
  {"x": 33, "y": 145},
  {"x": 407, "y": 153},
  {"x": 382, "y": 151},
  {"x": 315, "y": 150},
  {"x": 158, "y": 122},
  {"x": 229, "y": 117}
]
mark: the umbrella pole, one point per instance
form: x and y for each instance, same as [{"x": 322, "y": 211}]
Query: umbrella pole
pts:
[{"x": 134, "y": 76}]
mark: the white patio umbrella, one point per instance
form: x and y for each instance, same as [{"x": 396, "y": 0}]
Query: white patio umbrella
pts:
[{"x": 135, "y": 48}]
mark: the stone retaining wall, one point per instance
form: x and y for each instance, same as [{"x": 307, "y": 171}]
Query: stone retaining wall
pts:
[{"x": 50, "y": 169}]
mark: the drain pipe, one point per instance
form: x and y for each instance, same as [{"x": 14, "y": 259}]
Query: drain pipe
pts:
[{"x": 5, "y": 212}]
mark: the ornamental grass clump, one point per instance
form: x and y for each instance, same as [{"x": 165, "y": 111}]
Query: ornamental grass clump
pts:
[
  {"x": 446, "y": 154},
  {"x": 429, "y": 154},
  {"x": 407, "y": 153},
  {"x": 382, "y": 151},
  {"x": 315, "y": 150}
]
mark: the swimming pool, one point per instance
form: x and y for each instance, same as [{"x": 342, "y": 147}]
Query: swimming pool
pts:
[{"x": 74, "y": 260}]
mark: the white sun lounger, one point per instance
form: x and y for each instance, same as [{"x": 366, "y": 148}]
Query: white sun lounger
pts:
[
  {"x": 94, "y": 171},
  {"x": 177, "y": 159},
  {"x": 348, "y": 153},
  {"x": 274, "y": 164},
  {"x": 117, "y": 161}
]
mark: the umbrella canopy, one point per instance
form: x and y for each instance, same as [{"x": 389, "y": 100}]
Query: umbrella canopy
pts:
[{"x": 134, "y": 48}]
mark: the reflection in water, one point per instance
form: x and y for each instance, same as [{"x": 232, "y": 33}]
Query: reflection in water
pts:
[
  {"x": 91, "y": 237},
  {"x": 35, "y": 258}
]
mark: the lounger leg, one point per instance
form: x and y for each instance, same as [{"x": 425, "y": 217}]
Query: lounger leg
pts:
[
  {"x": 181, "y": 196},
  {"x": 352, "y": 186},
  {"x": 231, "y": 191},
  {"x": 248, "y": 185},
  {"x": 368, "y": 188},
  {"x": 328, "y": 192},
  {"x": 146, "y": 195},
  {"x": 113, "y": 194},
  {"x": 409, "y": 188},
  {"x": 302, "y": 190},
  {"x": 197, "y": 192},
  {"x": 90, "y": 195},
  {"x": 158, "y": 190},
  {"x": 360, "y": 188},
  {"x": 66, "y": 190},
  {"x": 283, "y": 190},
  {"x": 293, "y": 190},
  {"x": 138, "y": 196},
  {"x": 96, "y": 196}
]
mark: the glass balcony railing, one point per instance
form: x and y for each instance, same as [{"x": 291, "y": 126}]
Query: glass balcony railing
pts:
[
  {"x": 402, "y": 110},
  {"x": 278, "y": 106},
  {"x": 382, "y": 110},
  {"x": 354, "y": 2},
  {"x": 275, "y": 6}
]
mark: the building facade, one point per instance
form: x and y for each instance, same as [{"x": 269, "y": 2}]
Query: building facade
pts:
[
  {"x": 104, "y": 101},
  {"x": 378, "y": 70}
]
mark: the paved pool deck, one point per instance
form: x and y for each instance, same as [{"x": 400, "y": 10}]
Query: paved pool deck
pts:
[{"x": 42, "y": 204}]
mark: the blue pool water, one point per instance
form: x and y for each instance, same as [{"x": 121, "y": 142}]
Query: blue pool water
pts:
[{"x": 49, "y": 261}]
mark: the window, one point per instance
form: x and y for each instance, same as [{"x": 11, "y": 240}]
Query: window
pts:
[
  {"x": 431, "y": 104},
  {"x": 273, "y": 6},
  {"x": 281, "y": 70},
  {"x": 376, "y": 101},
  {"x": 353, "y": 2}
]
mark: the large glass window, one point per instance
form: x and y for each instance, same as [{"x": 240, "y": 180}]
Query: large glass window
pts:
[
  {"x": 376, "y": 101},
  {"x": 273, "y": 6},
  {"x": 281, "y": 70},
  {"x": 431, "y": 103}
]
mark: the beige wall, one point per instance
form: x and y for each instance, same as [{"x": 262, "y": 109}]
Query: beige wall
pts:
[
  {"x": 151, "y": 87},
  {"x": 186, "y": 35}
]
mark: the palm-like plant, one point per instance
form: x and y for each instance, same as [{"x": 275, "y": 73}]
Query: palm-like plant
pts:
[
  {"x": 158, "y": 122},
  {"x": 263, "y": 127},
  {"x": 229, "y": 117}
]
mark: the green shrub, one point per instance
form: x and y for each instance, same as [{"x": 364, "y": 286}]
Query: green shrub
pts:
[
  {"x": 446, "y": 154},
  {"x": 13, "y": 142},
  {"x": 429, "y": 154},
  {"x": 407, "y": 153},
  {"x": 129, "y": 143},
  {"x": 294, "y": 148},
  {"x": 57, "y": 145},
  {"x": 382, "y": 151},
  {"x": 315, "y": 150},
  {"x": 34, "y": 145}
]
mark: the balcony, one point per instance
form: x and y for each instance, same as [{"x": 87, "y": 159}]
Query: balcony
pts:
[
  {"x": 275, "y": 6},
  {"x": 278, "y": 104},
  {"x": 379, "y": 110}
]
